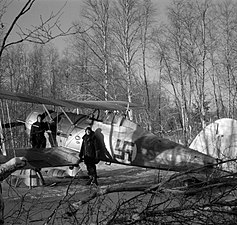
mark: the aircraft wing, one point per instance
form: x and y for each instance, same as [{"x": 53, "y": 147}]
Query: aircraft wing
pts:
[
  {"x": 103, "y": 105},
  {"x": 47, "y": 157}
]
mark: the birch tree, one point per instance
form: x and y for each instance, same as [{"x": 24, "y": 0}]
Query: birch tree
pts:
[
  {"x": 175, "y": 63},
  {"x": 201, "y": 45},
  {"x": 36, "y": 66},
  {"x": 146, "y": 20},
  {"x": 184, "y": 44},
  {"x": 15, "y": 63},
  {"x": 96, "y": 42},
  {"x": 52, "y": 71},
  {"x": 125, "y": 31},
  {"x": 227, "y": 29}
]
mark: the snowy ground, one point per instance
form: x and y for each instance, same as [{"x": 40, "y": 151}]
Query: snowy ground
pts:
[
  {"x": 37, "y": 205},
  {"x": 53, "y": 203}
]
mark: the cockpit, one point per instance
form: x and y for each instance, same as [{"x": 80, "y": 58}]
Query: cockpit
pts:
[
  {"x": 118, "y": 119},
  {"x": 112, "y": 118}
]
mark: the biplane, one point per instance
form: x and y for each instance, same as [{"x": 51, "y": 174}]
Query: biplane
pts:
[{"x": 121, "y": 140}]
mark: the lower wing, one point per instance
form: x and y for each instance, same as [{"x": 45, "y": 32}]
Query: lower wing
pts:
[{"x": 46, "y": 157}]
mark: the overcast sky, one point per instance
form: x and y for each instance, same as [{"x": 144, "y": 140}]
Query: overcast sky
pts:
[{"x": 71, "y": 13}]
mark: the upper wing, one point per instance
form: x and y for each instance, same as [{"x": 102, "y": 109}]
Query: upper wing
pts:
[
  {"x": 27, "y": 98},
  {"x": 104, "y": 105},
  {"x": 48, "y": 157}
]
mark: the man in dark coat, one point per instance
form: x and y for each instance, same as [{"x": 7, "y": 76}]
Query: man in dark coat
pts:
[
  {"x": 37, "y": 137},
  {"x": 90, "y": 154}
]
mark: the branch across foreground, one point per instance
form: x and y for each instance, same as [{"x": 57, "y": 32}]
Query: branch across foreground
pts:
[
  {"x": 133, "y": 196},
  {"x": 170, "y": 200},
  {"x": 5, "y": 170}
]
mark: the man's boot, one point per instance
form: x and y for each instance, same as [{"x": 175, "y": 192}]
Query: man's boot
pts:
[
  {"x": 94, "y": 181},
  {"x": 89, "y": 181}
]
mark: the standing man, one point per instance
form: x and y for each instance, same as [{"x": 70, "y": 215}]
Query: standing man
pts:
[
  {"x": 90, "y": 154},
  {"x": 37, "y": 137}
]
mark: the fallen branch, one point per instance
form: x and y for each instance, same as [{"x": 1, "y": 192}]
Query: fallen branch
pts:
[
  {"x": 112, "y": 189},
  {"x": 7, "y": 169},
  {"x": 146, "y": 188}
]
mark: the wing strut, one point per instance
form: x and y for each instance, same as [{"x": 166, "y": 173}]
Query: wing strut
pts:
[
  {"x": 66, "y": 116},
  {"x": 13, "y": 144},
  {"x": 2, "y": 143},
  {"x": 10, "y": 153},
  {"x": 128, "y": 112},
  {"x": 47, "y": 111}
]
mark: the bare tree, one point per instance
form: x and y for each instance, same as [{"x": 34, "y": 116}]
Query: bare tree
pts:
[
  {"x": 37, "y": 67},
  {"x": 92, "y": 48},
  {"x": 146, "y": 21},
  {"x": 201, "y": 45},
  {"x": 97, "y": 39},
  {"x": 126, "y": 35},
  {"x": 47, "y": 30},
  {"x": 42, "y": 33},
  {"x": 226, "y": 55},
  {"x": 172, "y": 47},
  {"x": 52, "y": 71},
  {"x": 185, "y": 45}
]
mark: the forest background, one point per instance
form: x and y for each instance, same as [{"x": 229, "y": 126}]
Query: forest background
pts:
[{"x": 181, "y": 69}]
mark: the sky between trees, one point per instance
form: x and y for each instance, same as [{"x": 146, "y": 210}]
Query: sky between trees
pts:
[{"x": 70, "y": 13}]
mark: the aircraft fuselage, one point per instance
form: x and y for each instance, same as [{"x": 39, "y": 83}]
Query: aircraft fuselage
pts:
[{"x": 125, "y": 142}]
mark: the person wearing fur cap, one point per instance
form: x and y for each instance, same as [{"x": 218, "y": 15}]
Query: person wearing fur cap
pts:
[{"x": 90, "y": 154}]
